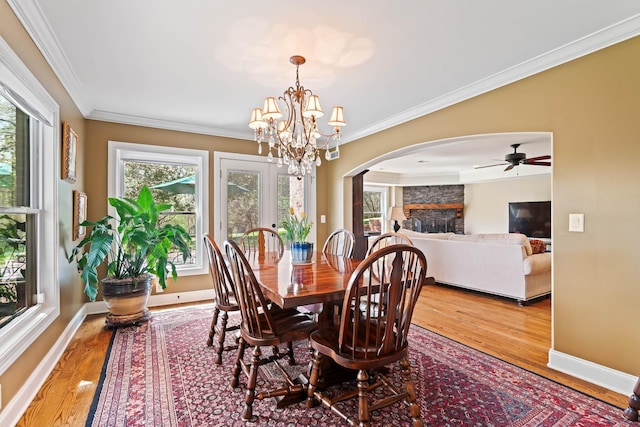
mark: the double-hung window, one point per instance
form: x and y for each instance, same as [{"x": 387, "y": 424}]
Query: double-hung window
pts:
[
  {"x": 176, "y": 176},
  {"x": 29, "y": 161}
]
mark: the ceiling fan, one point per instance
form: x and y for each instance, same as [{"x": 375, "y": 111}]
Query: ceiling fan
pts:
[{"x": 515, "y": 159}]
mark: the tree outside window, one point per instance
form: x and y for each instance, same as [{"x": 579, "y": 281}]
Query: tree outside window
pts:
[
  {"x": 169, "y": 183},
  {"x": 17, "y": 281},
  {"x": 373, "y": 202}
]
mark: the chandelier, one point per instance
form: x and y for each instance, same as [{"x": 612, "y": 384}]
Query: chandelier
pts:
[{"x": 295, "y": 138}]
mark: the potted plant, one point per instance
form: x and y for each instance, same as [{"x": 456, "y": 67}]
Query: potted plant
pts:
[
  {"x": 297, "y": 229},
  {"x": 135, "y": 251}
]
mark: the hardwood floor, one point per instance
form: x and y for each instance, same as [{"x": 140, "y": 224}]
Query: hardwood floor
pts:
[{"x": 519, "y": 335}]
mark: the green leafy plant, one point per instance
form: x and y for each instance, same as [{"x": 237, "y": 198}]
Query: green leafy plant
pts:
[
  {"x": 297, "y": 229},
  {"x": 138, "y": 245},
  {"x": 12, "y": 256}
]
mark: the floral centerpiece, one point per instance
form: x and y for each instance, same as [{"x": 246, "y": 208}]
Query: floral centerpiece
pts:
[{"x": 297, "y": 229}]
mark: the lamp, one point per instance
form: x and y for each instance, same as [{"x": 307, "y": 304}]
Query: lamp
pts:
[
  {"x": 396, "y": 214},
  {"x": 295, "y": 138}
]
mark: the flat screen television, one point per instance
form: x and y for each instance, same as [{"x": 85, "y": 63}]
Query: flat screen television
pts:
[{"x": 533, "y": 219}]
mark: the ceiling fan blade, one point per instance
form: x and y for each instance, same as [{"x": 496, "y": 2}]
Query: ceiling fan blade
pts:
[
  {"x": 538, "y": 163},
  {"x": 509, "y": 168},
  {"x": 490, "y": 166},
  {"x": 535, "y": 159}
]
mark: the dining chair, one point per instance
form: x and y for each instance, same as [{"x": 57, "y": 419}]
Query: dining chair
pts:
[
  {"x": 341, "y": 242},
  {"x": 382, "y": 241},
  {"x": 263, "y": 325},
  {"x": 225, "y": 299},
  {"x": 388, "y": 239},
  {"x": 369, "y": 340},
  {"x": 261, "y": 240}
]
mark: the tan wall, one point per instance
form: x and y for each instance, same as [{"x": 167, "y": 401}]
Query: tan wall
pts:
[
  {"x": 100, "y": 133},
  {"x": 486, "y": 204},
  {"x": 591, "y": 105},
  {"x": 70, "y": 286}
]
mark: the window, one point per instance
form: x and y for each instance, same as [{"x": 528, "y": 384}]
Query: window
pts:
[
  {"x": 176, "y": 176},
  {"x": 29, "y": 156},
  {"x": 17, "y": 237},
  {"x": 373, "y": 204},
  {"x": 252, "y": 192}
]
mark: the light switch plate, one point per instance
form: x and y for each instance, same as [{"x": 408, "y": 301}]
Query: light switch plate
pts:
[{"x": 576, "y": 223}]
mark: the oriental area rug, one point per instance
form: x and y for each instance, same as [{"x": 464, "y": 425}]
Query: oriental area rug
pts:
[{"x": 162, "y": 373}]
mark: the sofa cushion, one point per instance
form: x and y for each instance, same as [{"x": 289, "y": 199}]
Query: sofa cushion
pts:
[
  {"x": 537, "y": 263},
  {"x": 508, "y": 239},
  {"x": 415, "y": 234},
  {"x": 465, "y": 237},
  {"x": 538, "y": 246}
]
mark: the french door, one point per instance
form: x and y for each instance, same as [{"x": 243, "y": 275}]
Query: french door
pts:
[{"x": 255, "y": 193}]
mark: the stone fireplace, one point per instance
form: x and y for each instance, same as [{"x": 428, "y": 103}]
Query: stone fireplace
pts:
[{"x": 434, "y": 208}]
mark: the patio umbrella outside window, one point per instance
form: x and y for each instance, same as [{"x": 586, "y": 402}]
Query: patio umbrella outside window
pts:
[{"x": 186, "y": 185}]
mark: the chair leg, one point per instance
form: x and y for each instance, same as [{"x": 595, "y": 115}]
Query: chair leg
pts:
[
  {"x": 631, "y": 413},
  {"x": 251, "y": 384},
  {"x": 313, "y": 379},
  {"x": 363, "y": 405},
  {"x": 221, "y": 337},
  {"x": 237, "y": 368},
  {"x": 212, "y": 331},
  {"x": 292, "y": 360},
  {"x": 414, "y": 408}
]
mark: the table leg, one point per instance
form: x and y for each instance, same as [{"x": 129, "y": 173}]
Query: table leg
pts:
[
  {"x": 326, "y": 316},
  {"x": 631, "y": 413}
]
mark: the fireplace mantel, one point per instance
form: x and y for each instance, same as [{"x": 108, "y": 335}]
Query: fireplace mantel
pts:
[{"x": 457, "y": 206}]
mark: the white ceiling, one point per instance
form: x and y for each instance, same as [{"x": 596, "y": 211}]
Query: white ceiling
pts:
[{"x": 201, "y": 66}]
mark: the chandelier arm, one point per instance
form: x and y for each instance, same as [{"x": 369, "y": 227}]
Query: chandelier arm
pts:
[
  {"x": 291, "y": 113},
  {"x": 296, "y": 138}
]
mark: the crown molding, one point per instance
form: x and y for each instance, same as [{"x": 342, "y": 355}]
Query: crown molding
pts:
[
  {"x": 107, "y": 116},
  {"x": 38, "y": 28},
  {"x": 33, "y": 20},
  {"x": 601, "y": 39}
]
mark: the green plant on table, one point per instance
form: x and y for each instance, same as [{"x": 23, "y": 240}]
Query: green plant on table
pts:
[{"x": 297, "y": 228}]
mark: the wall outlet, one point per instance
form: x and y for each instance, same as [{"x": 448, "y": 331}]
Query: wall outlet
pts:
[{"x": 323, "y": 219}]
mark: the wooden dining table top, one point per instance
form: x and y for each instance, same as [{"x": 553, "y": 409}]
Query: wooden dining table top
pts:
[{"x": 322, "y": 280}]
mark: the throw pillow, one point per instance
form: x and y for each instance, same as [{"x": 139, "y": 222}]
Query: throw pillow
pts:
[{"x": 537, "y": 246}]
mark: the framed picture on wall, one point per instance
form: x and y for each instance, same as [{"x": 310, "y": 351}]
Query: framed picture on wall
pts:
[
  {"x": 79, "y": 214},
  {"x": 69, "y": 153}
]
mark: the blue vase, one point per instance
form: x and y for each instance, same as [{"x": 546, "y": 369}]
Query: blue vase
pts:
[{"x": 301, "y": 252}]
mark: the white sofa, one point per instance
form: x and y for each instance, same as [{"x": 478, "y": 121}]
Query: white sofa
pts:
[{"x": 500, "y": 264}]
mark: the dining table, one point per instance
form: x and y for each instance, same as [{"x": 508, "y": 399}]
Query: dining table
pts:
[{"x": 321, "y": 281}]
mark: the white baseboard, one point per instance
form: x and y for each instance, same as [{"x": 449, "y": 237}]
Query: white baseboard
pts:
[
  {"x": 17, "y": 406},
  {"x": 613, "y": 380},
  {"x": 159, "y": 300}
]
